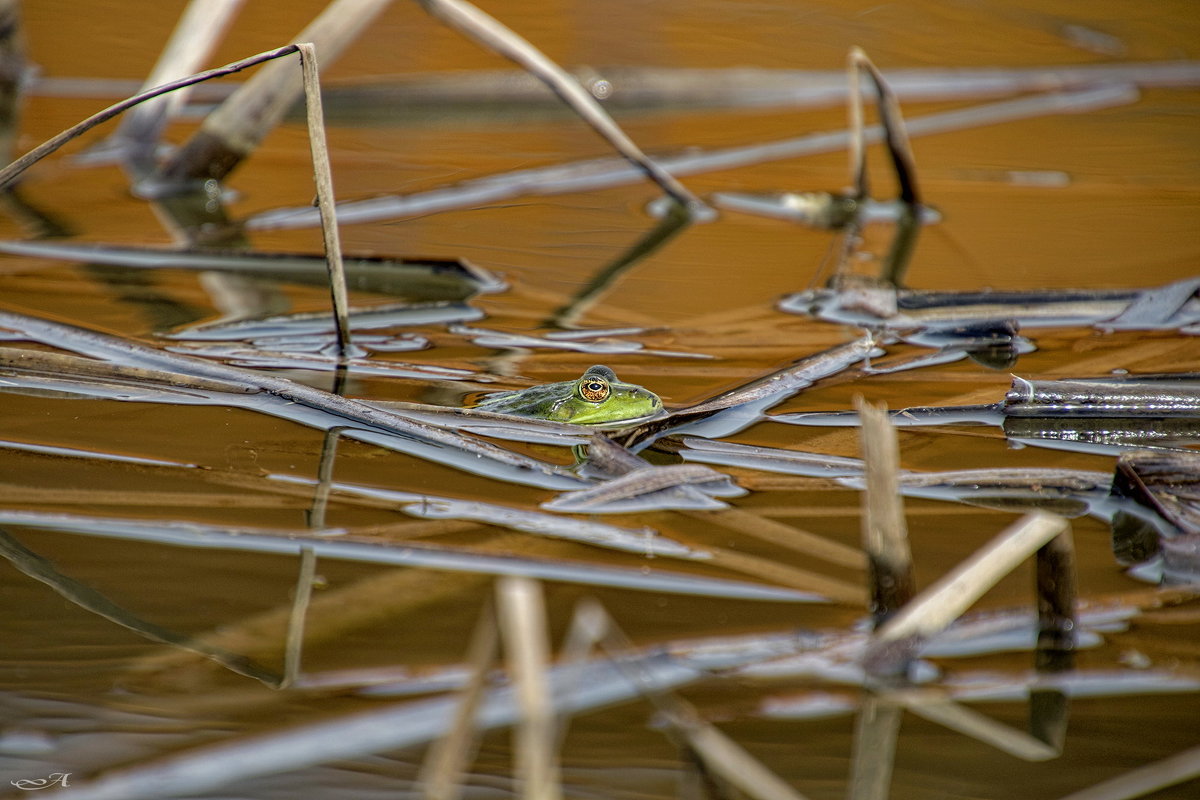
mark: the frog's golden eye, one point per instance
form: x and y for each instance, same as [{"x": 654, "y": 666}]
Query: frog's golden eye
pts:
[{"x": 594, "y": 390}]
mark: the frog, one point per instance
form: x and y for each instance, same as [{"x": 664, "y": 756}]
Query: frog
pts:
[{"x": 598, "y": 397}]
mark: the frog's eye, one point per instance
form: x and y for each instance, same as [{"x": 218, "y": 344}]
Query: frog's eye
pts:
[{"x": 594, "y": 390}]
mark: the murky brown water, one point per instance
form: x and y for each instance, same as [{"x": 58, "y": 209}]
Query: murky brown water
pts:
[{"x": 1103, "y": 199}]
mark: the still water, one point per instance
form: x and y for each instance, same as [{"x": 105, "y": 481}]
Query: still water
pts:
[{"x": 1103, "y": 198}]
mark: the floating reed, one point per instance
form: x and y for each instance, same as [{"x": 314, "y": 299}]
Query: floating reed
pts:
[{"x": 606, "y": 173}]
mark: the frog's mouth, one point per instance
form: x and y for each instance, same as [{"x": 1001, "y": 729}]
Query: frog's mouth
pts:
[{"x": 626, "y": 423}]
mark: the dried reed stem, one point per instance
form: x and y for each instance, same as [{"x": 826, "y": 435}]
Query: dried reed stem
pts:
[
  {"x": 591, "y": 175},
  {"x": 493, "y": 34},
  {"x": 447, "y": 758},
  {"x": 193, "y": 40},
  {"x": 230, "y": 133},
  {"x": 325, "y": 201},
  {"x": 784, "y": 535},
  {"x": 946, "y": 600},
  {"x": 875, "y": 731},
  {"x": 857, "y": 146},
  {"x": 939, "y": 605},
  {"x": 971, "y": 723},
  {"x": 10, "y": 173},
  {"x": 727, "y": 759},
  {"x": 895, "y": 134},
  {"x": 715, "y": 752},
  {"x": 784, "y": 574},
  {"x": 895, "y": 137},
  {"x": 522, "y": 613},
  {"x": 1178, "y": 768},
  {"x": 1049, "y": 713},
  {"x": 884, "y": 531}
]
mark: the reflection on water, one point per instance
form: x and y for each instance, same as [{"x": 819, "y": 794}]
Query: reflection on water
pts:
[{"x": 234, "y": 564}]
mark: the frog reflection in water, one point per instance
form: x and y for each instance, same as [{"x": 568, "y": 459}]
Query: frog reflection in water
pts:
[{"x": 597, "y": 398}]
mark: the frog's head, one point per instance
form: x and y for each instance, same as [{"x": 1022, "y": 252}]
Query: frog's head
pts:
[{"x": 599, "y": 397}]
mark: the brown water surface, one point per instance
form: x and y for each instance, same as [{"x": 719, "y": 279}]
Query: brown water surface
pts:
[{"x": 1103, "y": 199}]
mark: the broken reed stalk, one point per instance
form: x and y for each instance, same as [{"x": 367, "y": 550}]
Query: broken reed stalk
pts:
[
  {"x": 522, "y": 615},
  {"x": 13, "y": 170},
  {"x": 230, "y": 133},
  {"x": 295, "y": 630},
  {"x": 493, "y": 34},
  {"x": 884, "y": 531},
  {"x": 447, "y": 758},
  {"x": 717, "y": 754},
  {"x": 939, "y": 605},
  {"x": 895, "y": 134},
  {"x": 1049, "y": 713},
  {"x": 727, "y": 759},
  {"x": 857, "y": 147},
  {"x": 890, "y": 573},
  {"x": 590, "y": 624},
  {"x": 325, "y": 201},
  {"x": 895, "y": 137},
  {"x": 193, "y": 40}
]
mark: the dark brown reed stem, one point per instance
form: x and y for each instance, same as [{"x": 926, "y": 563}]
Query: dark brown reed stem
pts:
[{"x": 1056, "y": 591}]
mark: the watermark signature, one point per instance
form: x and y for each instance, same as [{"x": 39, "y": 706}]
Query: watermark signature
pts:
[{"x": 33, "y": 784}]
